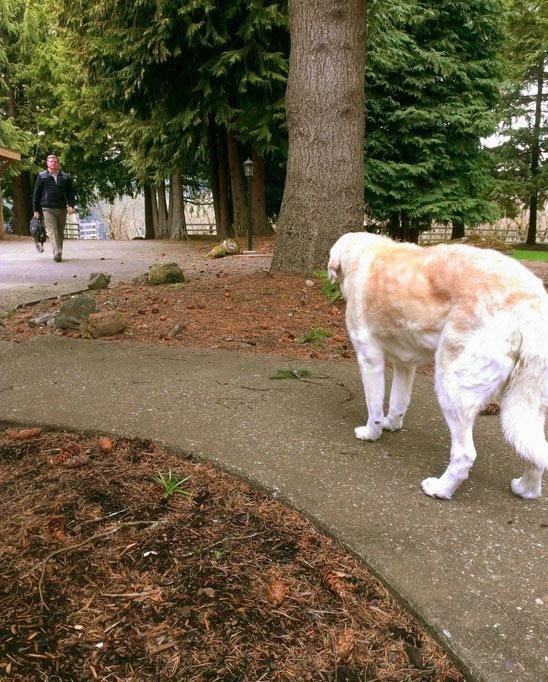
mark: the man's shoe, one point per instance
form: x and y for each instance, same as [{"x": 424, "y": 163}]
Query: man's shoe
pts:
[{"x": 57, "y": 258}]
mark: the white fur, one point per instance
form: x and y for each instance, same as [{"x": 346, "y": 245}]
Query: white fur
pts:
[{"x": 480, "y": 316}]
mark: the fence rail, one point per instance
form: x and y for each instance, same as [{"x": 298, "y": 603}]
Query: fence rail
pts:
[{"x": 84, "y": 231}]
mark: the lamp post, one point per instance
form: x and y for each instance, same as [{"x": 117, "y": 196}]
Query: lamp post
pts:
[{"x": 248, "y": 172}]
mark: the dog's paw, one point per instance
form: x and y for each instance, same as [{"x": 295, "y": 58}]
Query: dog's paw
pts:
[
  {"x": 368, "y": 432},
  {"x": 525, "y": 489},
  {"x": 392, "y": 423},
  {"x": 433, "y": 488}
]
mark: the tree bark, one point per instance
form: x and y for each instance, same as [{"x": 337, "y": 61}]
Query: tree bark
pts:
[
  {"x": 161, "y": 227},
  {"x": 394, "y": 226},
  {"x": 177, "y": 225},
  {"x": 324, "y": 187},
  {"x": 22, "y": 188},
  {"x": 457, "y": 229},
  {"x": 219, "y": 180},
  {"x": 258, "y": 197},
  {"x": 535, "y": 157},
  {"x": 239, "y": 201},
  {"x": 149, "y": 212}
]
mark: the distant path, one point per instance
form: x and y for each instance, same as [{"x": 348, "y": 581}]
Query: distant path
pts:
[{"x": 27, "y": 275}]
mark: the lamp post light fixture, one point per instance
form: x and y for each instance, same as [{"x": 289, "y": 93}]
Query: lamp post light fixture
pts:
[{"x": 248, "y": 172}]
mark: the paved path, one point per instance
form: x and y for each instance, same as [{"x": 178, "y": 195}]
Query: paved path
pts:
[
  {"x": 27, "y": 275},
  {"x": 474, "y": 569}
]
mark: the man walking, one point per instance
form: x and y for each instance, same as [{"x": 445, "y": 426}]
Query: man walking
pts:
[{"x": 54, "y": 196}]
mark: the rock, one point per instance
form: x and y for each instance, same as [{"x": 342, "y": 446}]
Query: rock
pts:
[
  {"x": 43, "y": 320},
  {"x": 99, "y": 280},
  {"x": 140, "y": 279},
  {"x": 107, "y": 323},
  {"x": 217, "y": 252},
  {"x": 230, "y": 246},
  {"x": 165, "y": 273},
  {"x": 75, "y": 310},
  {"x": 176, "y": 330}
]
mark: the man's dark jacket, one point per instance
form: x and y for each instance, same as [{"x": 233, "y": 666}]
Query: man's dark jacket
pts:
[{"x": 51, "y": 194}]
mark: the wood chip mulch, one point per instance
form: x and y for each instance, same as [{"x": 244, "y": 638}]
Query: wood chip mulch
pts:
[{"x": 105, "y": 577}]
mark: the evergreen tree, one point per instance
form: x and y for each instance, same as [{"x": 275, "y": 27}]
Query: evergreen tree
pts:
[
  {"x": 182, "y": 76},
  {"x": 520, "y": 159},
  {"x": 431, "y": 88}
]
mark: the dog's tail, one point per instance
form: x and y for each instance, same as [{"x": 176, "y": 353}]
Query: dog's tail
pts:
[{"x": 525, "y": 401}]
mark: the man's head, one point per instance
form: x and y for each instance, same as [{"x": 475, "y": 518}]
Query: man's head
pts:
[{"x": 52, "y": 162}]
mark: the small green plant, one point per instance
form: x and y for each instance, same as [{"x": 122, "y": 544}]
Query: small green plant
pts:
[
  {"x": 331, "y": 290},
  {"x": 292, "y": 374},
  {"x": 314, "y": 335},
  {"x": 171, "y": 485}
]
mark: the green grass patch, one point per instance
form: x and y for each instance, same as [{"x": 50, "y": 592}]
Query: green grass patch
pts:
[
  {"x": 533, "y": 254},
  {"x": 314, "y": 335},
  {"x": 330, "y": 290}
]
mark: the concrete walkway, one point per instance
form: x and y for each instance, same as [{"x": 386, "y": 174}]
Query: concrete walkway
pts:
[{"x": 474, "y": 569}]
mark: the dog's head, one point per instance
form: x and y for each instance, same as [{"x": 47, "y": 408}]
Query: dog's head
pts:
[{"x": 344, "y": 252}]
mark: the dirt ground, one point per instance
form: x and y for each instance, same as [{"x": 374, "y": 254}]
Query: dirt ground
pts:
[{"x": 122, "y": 561}]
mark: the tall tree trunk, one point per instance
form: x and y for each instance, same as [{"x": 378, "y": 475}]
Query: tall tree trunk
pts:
[
  {"x": 149, "y": 212},
  {"x": 258, "y": 197},
  {"x": 161, "y": 231},
  {"x": 219, "y": 180},
  {"x": 22, "y": 189},
  {"x": 394, "y": 226},
  {"x": 239, "y": 201},
  {"x": 535, "y": 157},
  {"x": 2, "y": 234},
  {"x": 177, "y": 226},
  {"x": 323, "y": 194},
  {"x": 457, "y": 229}
]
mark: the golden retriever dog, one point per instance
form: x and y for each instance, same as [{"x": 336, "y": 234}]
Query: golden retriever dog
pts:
[{"x": 479, "y": 315}]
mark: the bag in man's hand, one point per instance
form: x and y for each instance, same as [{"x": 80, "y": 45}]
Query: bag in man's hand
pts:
[{"x": 38, "y": 231}]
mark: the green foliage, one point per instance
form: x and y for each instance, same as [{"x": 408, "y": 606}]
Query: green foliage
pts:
[
  {"x": 523, "y": 254},
  {"x": 292, "y": 374},
  {"x": 171, "y": 485},
  {"x": 314, "y": 335},
  {"x": 170, "y": 69},
  {"x": 432, "y": 83},
  {"x": 519, "y": 160},
  {"x": 330, "y": 290}
]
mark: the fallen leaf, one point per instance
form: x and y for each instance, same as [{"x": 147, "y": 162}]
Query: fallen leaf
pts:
[
  {"x": 23, "y": 434},
  {"x": 276, "y": 593},
  {"x": 344, "y": 644},
  {"x": 105, "y": 443}
]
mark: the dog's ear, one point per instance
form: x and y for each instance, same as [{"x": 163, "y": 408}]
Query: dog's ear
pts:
[
  {"x": 333, "y": 269},
  {"x": 334, "y": 264}
]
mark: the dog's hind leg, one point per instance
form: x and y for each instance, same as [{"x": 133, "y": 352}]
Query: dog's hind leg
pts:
[
  {"x": 523, "y": 414},
  {"x": 463, "y": 385},
  {"x": 463, "y": 455},
  {"x": 400, "y": 396}
]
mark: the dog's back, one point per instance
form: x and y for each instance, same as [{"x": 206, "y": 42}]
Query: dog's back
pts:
[{"x": 408, "y": 294}]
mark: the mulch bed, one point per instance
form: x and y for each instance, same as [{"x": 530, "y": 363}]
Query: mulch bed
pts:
[{"x": 105, "y": 577}]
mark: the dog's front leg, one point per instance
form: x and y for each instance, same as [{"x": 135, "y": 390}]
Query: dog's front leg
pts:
[
  {"x": 371, "y": 363},
  {"x": 400, "y": 396}
]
